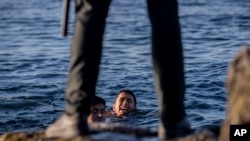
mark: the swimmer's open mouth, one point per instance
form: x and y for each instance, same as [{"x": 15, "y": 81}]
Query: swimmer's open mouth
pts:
[{"x": 124, "y": 110}]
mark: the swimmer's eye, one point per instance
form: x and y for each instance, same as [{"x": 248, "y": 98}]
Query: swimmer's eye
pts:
[
  {"x": 122, "y": 99},
  {"x": 102, "y": 111},
  {"x": 94, "y": 111}
]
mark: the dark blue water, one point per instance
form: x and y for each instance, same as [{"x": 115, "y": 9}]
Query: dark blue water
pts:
[{"x": 34, "y": 60}]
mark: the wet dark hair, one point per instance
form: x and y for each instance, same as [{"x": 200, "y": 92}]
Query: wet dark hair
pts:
[
  {"x": 98, "y": 100},
  {"x": 128, "y": 92}
]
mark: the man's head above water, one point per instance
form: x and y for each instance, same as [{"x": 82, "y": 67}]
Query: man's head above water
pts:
[
  {"x": 97, "y": 110},
  {"x": 125, "y": 103}
]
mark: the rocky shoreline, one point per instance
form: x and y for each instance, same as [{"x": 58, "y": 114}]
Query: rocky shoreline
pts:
[{"x": 111, "y": 132}]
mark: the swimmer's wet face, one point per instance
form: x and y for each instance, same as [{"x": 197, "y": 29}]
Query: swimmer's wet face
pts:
[
  {"x": 124, "y": 104},
  {"x": 97, "y": 113}
]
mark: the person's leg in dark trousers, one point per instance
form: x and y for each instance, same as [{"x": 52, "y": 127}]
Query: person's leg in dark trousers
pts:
[
  {"x": 168, "y": 67},
  {"x": 86, "y": 50}
]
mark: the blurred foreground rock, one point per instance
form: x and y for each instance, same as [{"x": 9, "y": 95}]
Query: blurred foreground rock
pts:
[
  {"x": 238, "y": 90},
  {"x": 109, "y": 132}
]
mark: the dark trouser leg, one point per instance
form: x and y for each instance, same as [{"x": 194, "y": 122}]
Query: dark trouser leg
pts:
[
  {"x": 167, "y": 63},
  {"x": 85, "y": 58},
  {"x": 86, "y": 50}
]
